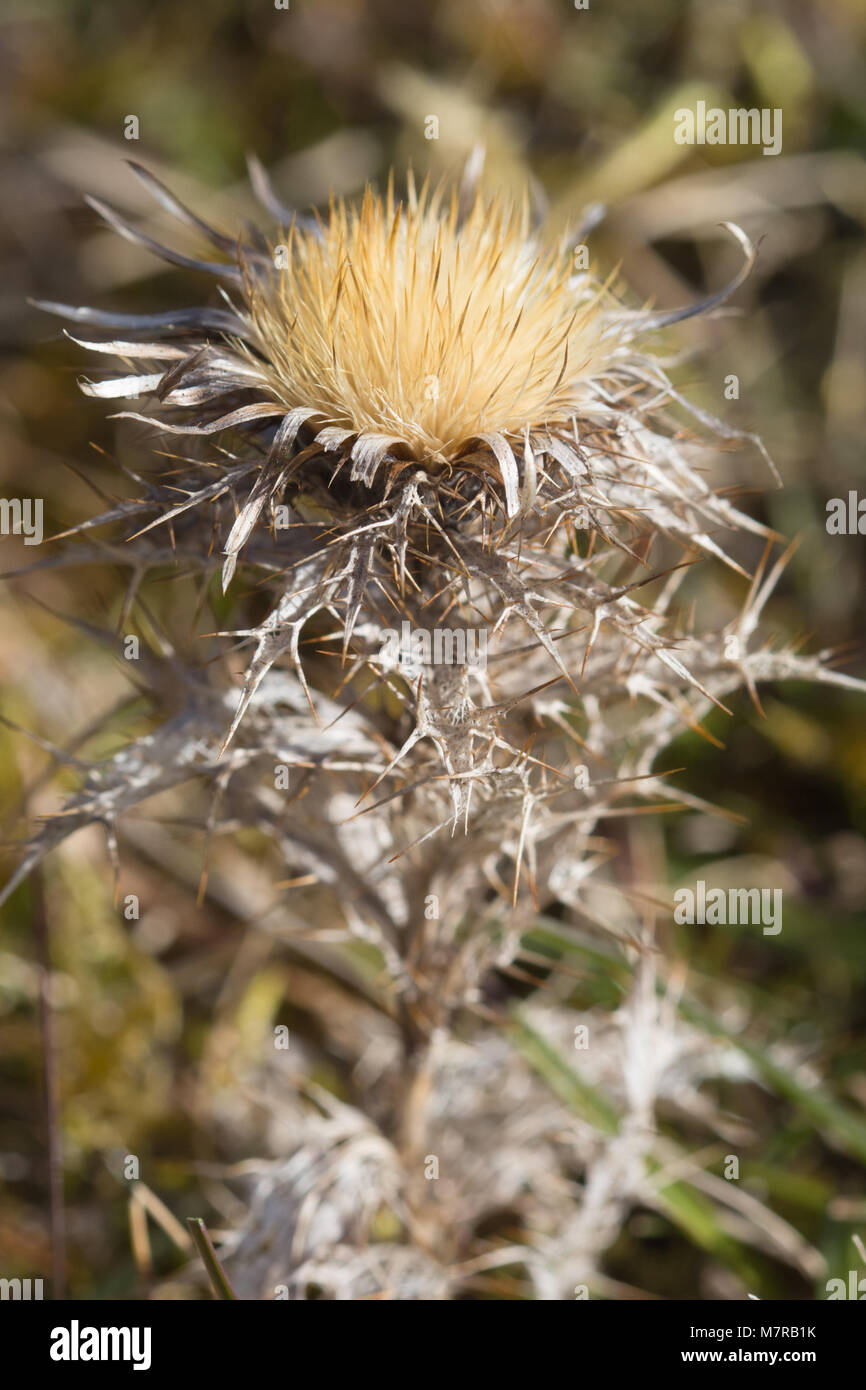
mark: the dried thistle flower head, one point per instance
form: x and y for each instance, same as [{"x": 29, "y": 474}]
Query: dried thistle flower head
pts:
[
  {"x": 400, "y": 323},
  {"x": 437, "y": 334}
]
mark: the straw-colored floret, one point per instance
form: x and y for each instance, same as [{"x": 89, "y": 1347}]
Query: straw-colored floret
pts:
[{"x": 388, "y": 319}]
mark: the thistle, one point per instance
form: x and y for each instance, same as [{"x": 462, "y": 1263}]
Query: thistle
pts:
[{"x": 422, "y": 412}]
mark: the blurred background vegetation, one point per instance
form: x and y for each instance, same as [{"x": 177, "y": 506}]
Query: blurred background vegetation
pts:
[{"x": 154, "y": 1019}]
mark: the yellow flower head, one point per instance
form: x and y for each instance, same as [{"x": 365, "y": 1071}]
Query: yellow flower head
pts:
[{"x": 395, "y": 321}]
